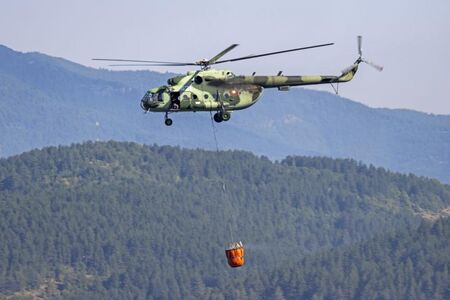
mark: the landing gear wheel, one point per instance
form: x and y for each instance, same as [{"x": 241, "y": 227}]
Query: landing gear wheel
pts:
[
  {"x": 168, "y": 122},
  {"x": 226, "y": 116},
  {"x": 218, "y": 117}
]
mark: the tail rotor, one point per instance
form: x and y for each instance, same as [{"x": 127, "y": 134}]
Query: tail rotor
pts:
[{"x": 361, "y": 59}]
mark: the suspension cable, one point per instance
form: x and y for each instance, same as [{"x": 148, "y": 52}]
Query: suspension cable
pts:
[
  {"x": 214, "y": 130},
  {"x": 224, "y": 190}
]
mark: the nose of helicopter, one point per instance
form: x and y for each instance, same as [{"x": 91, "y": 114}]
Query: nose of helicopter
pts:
[
  {"x": 147, "y": 102},
  {"x": 144, "y": 105}
]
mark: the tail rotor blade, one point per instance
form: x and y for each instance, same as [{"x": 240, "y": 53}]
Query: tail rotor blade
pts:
[
  {"x": 377, "y": 67},
  {"x": 360, "y": 45}
]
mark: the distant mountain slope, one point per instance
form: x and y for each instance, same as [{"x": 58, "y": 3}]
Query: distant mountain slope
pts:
[
  {"x": 122, "y": 220},
  {"x": 51, "y": 101}
]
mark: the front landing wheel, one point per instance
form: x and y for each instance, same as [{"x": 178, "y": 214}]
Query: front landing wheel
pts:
[
  {"x": 168, "y": 122},
  {"x": 218, "y": 117}
]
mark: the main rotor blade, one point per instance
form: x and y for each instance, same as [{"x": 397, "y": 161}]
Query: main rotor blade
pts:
[
  {"x": 272, "y": 53},
  {"x": 215, "y": 58},
  {"x": 151, "y": 64},
  {"x": 139, "y": 61}
]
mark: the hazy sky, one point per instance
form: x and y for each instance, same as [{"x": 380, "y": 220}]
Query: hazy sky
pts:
[{"x": 411, "y": 39}]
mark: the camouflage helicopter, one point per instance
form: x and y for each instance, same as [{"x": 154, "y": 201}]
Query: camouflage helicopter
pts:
[{"x": 221, "y": 91}]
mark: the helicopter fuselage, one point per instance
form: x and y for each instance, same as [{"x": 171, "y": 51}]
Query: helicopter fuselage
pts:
[
  {"x": 204, "y": 90},
  {"x": 221, "y": 90}
]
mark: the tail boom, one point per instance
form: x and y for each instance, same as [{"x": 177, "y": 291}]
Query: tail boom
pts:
[{"x": 284, "y": 81}]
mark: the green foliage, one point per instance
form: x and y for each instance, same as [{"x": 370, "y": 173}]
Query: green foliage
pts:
[
  {"x": 410, "y": 264},
  {"x": 123, "y": 220}
]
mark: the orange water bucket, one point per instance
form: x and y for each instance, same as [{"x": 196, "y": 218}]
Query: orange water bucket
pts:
[{"x": 235, "y": 255}]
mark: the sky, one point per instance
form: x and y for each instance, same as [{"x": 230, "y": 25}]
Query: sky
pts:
[{"x": 411, "y": 39}]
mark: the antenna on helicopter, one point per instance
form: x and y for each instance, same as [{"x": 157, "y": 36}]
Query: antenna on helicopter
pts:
[{"x": 361, "y": 59}]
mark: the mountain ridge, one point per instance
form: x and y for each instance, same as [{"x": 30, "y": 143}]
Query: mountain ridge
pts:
[{"x": 50, "y": 101}]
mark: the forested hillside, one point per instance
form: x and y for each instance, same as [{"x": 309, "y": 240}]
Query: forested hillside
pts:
[
  {"x": 410, "y": 264},
  {"x": 50, "y": 101},
  {"x": 123, "y": 220}
]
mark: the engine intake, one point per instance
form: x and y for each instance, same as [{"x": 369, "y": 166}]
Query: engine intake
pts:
[{"x": 198, "y": 79}]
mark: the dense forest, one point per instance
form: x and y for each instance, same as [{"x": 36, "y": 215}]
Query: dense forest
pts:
[
  {"x": 409, "y": 264},
  {"x": 124, "y": 220}
]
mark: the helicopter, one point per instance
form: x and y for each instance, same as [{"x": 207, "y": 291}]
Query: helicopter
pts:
[{"x": 221, "y": 91}]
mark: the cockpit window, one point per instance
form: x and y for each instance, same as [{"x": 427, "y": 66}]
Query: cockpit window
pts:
[{"x": 154, "y": 96}]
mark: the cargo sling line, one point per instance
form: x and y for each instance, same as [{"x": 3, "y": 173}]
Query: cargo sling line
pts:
[
  {"x": 224, "y": 189},
  {"x": 235, "y": 251}
]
